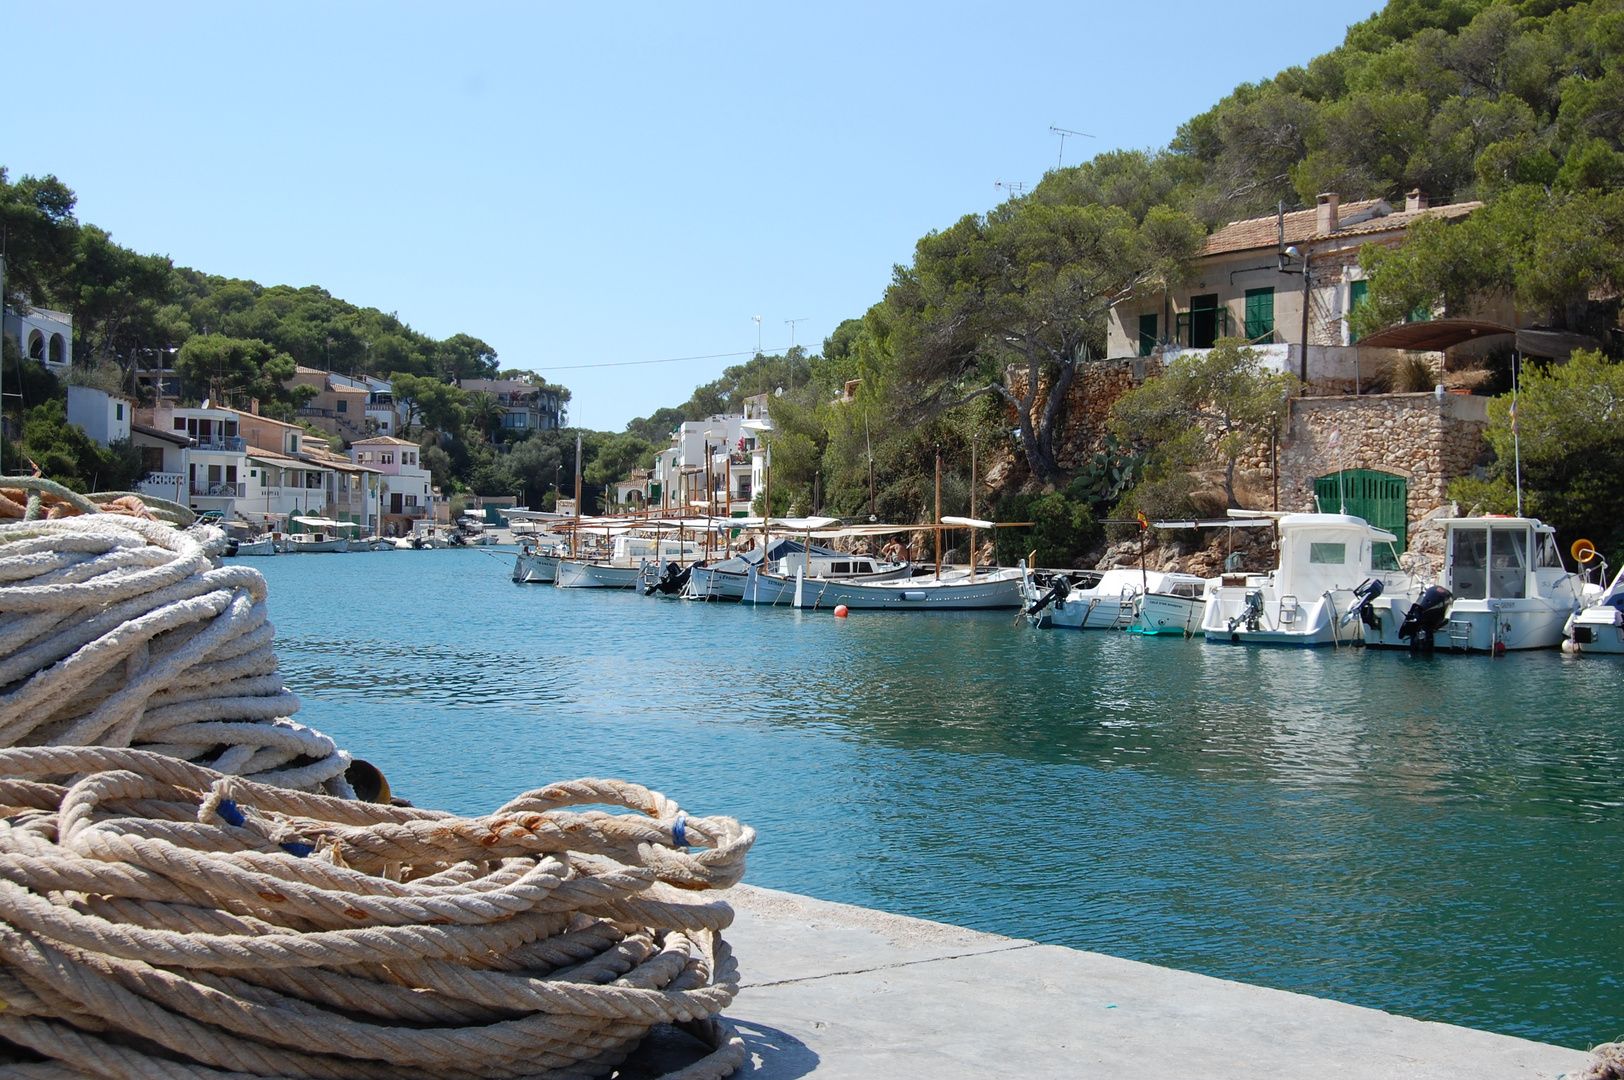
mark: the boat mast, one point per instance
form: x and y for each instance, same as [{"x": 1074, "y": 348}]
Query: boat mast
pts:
[
  {"x": 973, "y": 508},
  {"x": 938, "y": 511}
]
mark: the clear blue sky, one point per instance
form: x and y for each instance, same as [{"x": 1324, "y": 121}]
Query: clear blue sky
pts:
[{"x": 596, "y": 184}]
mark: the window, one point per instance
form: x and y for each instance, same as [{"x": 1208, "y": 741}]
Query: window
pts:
[
  {"x": 118, "y": 411},
  {"x": 1147, "y": 334},
  {"x": 386, "y": 459},
  {"x": 231, "y": 474},
  {"x": 58, "y": 353},
  {"x": 840, "y": 568},
  {"x": 411, "y": 500},
  {"x": 228, "y": 427},
  {"x": 1328, "y": 554},
  {"x": 1260, "y": 315},
  {"x": 214, "y": 474},
  {"x": 343, "y": 406},
  {"x": 293, "y": 443},
  {"x": 180, "y": 423},
  {"x": 36, "y": 345},
  {"x": 1550, "y": 556}
]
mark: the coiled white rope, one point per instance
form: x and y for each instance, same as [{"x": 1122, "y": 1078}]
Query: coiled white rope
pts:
[
  {"x": 162, "y": 920},
  {"x": 119, "y": 631}
]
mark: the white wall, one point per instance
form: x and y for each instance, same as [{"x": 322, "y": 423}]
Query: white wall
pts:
[{"x": 104, "y": 417}]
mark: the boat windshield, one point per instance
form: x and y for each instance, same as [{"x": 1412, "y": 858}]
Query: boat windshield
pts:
[
  {"x": 1469, "y": 559},
  {"x": 1384, "y": 555}
]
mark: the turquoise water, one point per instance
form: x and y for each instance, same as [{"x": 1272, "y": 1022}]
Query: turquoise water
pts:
[{"x": 1437, "y": 837}]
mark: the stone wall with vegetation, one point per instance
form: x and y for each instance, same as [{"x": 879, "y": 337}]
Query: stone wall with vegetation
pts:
[{"x": 1089, "y": 399}]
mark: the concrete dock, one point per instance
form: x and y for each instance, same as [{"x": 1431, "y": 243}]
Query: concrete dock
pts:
[{"x": 835, "y": 991}]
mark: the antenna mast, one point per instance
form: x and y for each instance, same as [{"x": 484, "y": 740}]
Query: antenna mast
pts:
[{"x": 1063, "y": 132}]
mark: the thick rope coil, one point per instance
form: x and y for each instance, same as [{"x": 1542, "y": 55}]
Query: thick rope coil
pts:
[
  {"x": 1606, "y": 1063},
  {"x": 121, "y": 630},
  {"x": 163, "y": 920}
]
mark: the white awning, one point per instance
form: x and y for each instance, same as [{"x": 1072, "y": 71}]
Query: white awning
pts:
[
  {"x": 968, "y": 523},
  {"x": 326, "y": 523}
]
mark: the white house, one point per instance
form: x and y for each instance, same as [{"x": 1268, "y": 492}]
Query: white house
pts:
[
  {"x": 104, "y": 417},
  {"x": 406, "y": 493},
  {"x": 216, "y": 465},
  {"x": 43, "y": 335},
  {"x": 710, "y": 458}
]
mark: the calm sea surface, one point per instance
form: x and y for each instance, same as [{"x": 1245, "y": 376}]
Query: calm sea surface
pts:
[{"x": 1440, "y": 838}]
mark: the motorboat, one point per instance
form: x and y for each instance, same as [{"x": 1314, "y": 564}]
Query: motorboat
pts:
[
  {"x": 1599, "y": 625},
  {"x": 260, "y": 545},
  {"x": 1327, "y": 573},
  {"x": 1503, "y": 586},
  {"x": 537, "y": 561},
  {"x": 628, "y": 559},
  {"x": 1115, "y": 600},
  {"x": 956, "y": 589}
]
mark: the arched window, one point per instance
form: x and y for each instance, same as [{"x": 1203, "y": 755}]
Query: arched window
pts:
[
  {"x": 36, "y": 345},
  {"x": 59, "y": 350}
]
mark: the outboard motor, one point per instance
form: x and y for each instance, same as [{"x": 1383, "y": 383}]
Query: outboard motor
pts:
[
  {"x": 671, "y": 579},
  {"x": 1252, "y": 614},
  {"x": 1361, "y": 607},
  {"x": 1426, "y": 617},
  {"x": 1062, "y": 586}
]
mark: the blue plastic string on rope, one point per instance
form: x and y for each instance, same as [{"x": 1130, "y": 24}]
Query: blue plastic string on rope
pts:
[
  {"x": 679, "y": 830},
  {"x": 230, "y": 814},
  {"x": 293, "y": 847}
]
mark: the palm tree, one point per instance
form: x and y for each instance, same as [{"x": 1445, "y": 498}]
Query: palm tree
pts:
[{"x": 483, "y": 411}]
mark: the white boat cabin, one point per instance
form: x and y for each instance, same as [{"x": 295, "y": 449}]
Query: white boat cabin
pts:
[
  {"x": 820, "y": 565},
  {"x": 1503, "y": 559},
  {"x": 637, "y": 550}
]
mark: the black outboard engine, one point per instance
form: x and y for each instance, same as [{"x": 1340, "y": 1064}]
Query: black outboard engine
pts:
[
  {"x": 1426, "y": 617},
  {"x": 671, "y": 579},
  {"x": 1062, "y": 586},
  {"x": 1362, "y": 607},
  {"x": 1252, "y": 614}
]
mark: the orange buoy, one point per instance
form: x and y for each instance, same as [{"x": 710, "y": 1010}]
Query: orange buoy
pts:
[{"x": 840, "y": 611}]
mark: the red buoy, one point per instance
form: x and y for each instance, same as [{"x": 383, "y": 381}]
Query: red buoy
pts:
[{"x": 840, "y": 611}]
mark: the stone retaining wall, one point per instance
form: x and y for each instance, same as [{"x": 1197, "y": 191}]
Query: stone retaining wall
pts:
[{"x": 1427, "y": 440}]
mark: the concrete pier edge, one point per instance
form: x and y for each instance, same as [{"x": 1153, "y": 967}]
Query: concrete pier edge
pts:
[{"x": 835, "y": 991}]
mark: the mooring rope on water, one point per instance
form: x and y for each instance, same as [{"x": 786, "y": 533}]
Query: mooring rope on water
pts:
[{"x": 159, "y": 919}]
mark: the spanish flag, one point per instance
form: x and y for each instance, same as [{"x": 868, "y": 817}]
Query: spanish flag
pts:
[{"x": 1144, "y": 522}]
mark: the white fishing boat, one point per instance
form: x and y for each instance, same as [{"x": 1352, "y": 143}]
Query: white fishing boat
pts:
[
  {"x": 955, "y": 590},
  {"x": 1326, "y": 569},
  {"x": 537, "y": 561},
  {"x": 817, "y": 570},
  {"x": 326, "y": 536},
  {"x": 1599, "y": 626},
  {"x": 260, "y": 545},
  {"x": 1503, "y": 587},
  {"x": 624, "y": 568},
  {"x": 1119, "y": 599},
  {"x": 313, "y": 543}
]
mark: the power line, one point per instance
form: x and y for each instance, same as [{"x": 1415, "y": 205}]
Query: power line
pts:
[{"x": 639, "y": 363}]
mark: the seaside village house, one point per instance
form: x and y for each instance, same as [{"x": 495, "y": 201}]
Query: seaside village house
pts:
[
  {"x": 1387, "y": 457},
  {"x": 407, "y": 493},
  {"x": 525, "y": 405},
  {"x": 717, "y": 458},
  {"x": 42, "y": 335}
]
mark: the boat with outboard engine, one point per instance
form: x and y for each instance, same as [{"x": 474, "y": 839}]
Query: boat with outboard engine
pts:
[
  {"x": 1115, "y": 599},
  {"x": 816, "y": 571},
  {"x": 956, "y": 589},
  {"x": 537, "y": 560},
  {"x": 629, "y": 558},
  {"x": 1329, "y": 567},
  {"x": 1503, "y": 586},
  {"x": 1599, "y": 625}
]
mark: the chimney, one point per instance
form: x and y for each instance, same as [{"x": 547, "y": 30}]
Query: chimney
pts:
[
  {"x": 1414, "y": 200},
  {"x": 253, "y": 405},
  {"x": 1327, "y": 221}
]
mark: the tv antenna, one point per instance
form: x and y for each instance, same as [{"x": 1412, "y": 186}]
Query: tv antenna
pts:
[
  {"x": 1013, "y": 187},
  {"x": 1063, "y": 132},
  {"x": 791, "y": 324}
]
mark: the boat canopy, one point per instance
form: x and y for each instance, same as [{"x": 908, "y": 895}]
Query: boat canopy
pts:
[{"x": 326, "y": 523}]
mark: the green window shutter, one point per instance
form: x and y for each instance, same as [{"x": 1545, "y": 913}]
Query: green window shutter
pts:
[
  {"x": 1358, "y": 294},
  {"x": 1147, "y": 334},
  {"x": 1260, "y": 315}
]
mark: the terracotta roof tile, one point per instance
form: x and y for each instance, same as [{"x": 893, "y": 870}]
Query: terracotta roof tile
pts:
[{"x": 1301, "y": 225}]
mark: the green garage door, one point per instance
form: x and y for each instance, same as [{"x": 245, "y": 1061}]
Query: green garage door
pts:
[{"x": 1377, "y": 497}]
